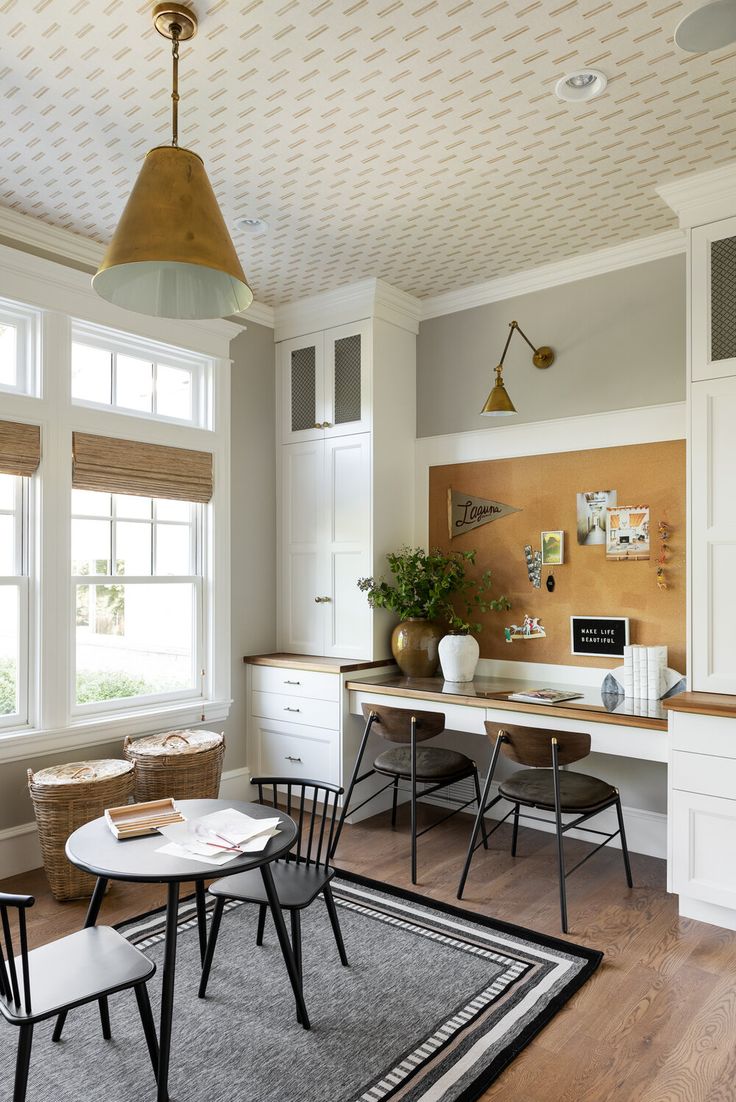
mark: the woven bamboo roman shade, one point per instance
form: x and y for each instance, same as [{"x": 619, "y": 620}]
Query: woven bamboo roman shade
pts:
[
  {"x": 145, "y": 470},
  {"x": 20, "y": 448}
]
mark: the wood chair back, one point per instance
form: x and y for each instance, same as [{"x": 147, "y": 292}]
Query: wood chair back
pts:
[
  {"x": 533, "y": 745},
  {"x": 14, "y": 990},
  {"x": 313, "y": 845},
  {"x": 394, "y": 724}
]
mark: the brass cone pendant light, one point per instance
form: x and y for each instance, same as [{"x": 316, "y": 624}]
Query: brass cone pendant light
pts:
[{"x": 171, "y": 255}]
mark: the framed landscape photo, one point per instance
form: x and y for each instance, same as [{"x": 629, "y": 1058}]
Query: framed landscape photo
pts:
[{"x": 553, "y": 548}]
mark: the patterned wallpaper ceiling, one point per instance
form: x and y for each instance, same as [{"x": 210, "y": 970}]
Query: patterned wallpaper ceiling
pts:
[{"x": 415, "y": 140}]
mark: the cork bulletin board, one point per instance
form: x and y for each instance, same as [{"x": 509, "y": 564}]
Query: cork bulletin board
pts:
[{"x": 544, "y": 489}]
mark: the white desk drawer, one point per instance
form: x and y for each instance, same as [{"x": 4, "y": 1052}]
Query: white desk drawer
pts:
[
  {"x": 296, "y": 709},
  {"x": 704, "y": 773},
  {"x": 274, "y": 679},
  {"x": 703, "y": 734},
  {"x": 287, "y": 750}
]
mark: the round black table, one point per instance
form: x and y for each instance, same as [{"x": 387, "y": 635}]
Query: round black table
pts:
[{"x": 95, "y": 849}]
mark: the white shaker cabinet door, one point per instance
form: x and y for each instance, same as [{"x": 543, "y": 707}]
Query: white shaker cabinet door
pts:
[
  {"x": 302, "y": 540},
  {"x": 302, "y": 388},
  {"x": 713, "y": 535},
  {"x": 348, "y": 515}
]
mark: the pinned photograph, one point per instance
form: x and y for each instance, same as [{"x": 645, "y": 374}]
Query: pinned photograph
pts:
[
  {"x": 627, "y": 532},
  {"x": 553, "y": 548},
  {"x": 591, "y": 515}
]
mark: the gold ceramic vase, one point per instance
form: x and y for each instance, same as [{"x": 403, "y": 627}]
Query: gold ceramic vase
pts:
[{"x": 415, "y": 646}]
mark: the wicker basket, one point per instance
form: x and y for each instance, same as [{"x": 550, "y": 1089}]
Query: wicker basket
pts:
[
  {"x": 66, "y": 797},
  {"x": 186, "y": 765}
]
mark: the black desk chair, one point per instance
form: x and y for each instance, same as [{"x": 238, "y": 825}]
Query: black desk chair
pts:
[
  {"x": 84, "y": 967},
  {"x": 433, "y": 766},
  {"x": 545, "y": 787},
  {"x": 299, "y": 877}
]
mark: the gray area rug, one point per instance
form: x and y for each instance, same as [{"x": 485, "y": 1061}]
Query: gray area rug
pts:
[{"x": 435, "y": 1003}]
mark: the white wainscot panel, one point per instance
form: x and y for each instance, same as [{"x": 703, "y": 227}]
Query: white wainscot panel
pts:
[{"x": 704, "y": 843}]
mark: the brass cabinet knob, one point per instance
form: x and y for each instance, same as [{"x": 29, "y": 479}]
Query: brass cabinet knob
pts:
[{"x": 322, "y": 600}]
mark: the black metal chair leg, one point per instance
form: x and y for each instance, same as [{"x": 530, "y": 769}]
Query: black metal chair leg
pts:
[
  {"x": 335, "y": 922},
  {"x": 105, "y": 1017},
  {"x": 624, "y": 846},
  {"x": 515, "y": 835},
  {"x": 23, "y": 1063},
  {"x": 61, "y": 1018},
  {"x": 413, "y": 800},
  {"x": 201, "y": 919},
  {"x": 351, "y": 786},
  {"x": 560, "y": 841},
  {"x": 395, "y": 803},
  {"x": 149, "y": 1029},
  {"x": 479, "y": 818},
  {"x": 261, "y": 923},
  {"x": 278, "y": 920},
  {"x": 477, "y": 800},
  {"x": 211, "y": 943}
]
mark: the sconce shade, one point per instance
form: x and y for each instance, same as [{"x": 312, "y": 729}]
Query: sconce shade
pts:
[
  {"x": 498, "y": 403},
  {"x": 171, "y": 255}
]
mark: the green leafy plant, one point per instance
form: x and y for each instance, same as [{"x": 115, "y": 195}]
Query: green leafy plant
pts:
[{"x": 425, "y": 583}]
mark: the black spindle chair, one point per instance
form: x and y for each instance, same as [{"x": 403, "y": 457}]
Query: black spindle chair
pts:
[
  {"x": 81, "y": 968},
  {"x": 299, "y": 877}
]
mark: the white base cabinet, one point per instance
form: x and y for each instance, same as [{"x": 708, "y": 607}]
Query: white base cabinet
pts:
[
  {"x": 702, "y": 816},
  {"x": 295, "y": 723}
]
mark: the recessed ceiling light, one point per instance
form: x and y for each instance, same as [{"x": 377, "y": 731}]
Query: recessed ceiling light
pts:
[
  {"x": 581, "y": 85},
  {"x": 710, "y": 27},
  {"x": 252, "y": 225}
]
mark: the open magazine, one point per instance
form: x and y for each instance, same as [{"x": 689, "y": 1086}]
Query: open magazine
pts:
[{"x": 544, "y": 696}]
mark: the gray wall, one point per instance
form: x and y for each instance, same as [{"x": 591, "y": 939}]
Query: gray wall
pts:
[
  {"x": 253, "y": 539},
  {"x": 619, "y": 339},
  {"x": 253, "y": 517}
]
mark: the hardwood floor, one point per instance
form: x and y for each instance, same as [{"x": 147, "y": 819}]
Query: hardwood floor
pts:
[{"x": 656, "y": 1023}]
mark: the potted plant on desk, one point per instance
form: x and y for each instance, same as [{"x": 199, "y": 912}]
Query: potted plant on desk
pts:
[
  {"x": 423, "y": 583},
  {"x": 459, "y": 651}
]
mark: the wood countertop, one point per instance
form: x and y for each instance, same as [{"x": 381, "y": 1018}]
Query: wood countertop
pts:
[
  {"x": 314, "y": 662},
  {"x": 493, "y": 692},
  {"x": 703, "y": 704}
]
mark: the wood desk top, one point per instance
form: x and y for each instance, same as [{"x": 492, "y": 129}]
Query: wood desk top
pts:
[
  {"x": 493, "y": 692},
  {"x": 314, "y": 662},
  {"x": 704, "y": 704}
]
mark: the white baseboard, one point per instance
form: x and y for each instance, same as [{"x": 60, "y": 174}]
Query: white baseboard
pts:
[
  {"x": 20, "y": 850},
  {"x": 713, "y": 913}
]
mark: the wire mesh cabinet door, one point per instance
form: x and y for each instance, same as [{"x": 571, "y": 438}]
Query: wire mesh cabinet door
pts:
[
  {"x": 714, "y": 301},
  {"x": 302, "y": 384},
  {"x": 347, "y": 359}
]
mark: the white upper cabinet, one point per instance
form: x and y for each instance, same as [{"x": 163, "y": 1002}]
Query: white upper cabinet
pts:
[
  {"x": 714, "y": 300},
  {"x": 325, "y": 383}
]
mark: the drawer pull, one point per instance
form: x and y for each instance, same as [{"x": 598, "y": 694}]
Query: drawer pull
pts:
[
  {"x": 287, "y": 709},
  {"x": 290, "y": 758},
  {"x": 292, "y": 682}
]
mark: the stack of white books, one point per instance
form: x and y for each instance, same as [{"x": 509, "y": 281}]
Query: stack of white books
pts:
[{"x": 644, "y": 672}]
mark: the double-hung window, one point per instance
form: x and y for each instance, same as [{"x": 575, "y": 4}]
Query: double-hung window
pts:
[{"x": 137, "y": 592}]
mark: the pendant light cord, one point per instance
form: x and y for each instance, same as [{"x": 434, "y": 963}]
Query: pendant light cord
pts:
[{"x": 175, "y": 32}]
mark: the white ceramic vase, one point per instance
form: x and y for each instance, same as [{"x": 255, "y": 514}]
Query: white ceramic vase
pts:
[{"x": 459, "y": 656}]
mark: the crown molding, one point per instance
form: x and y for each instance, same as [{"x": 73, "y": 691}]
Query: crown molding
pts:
[
  {"x": 368, "y": 298},
  {"x": 71, "y": 249},
  {"x": 552, "y": 275},
  {"x": 703, "y": 196}
]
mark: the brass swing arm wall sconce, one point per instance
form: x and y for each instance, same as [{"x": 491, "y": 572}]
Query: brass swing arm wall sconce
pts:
[{"x": 498, "y": 403}]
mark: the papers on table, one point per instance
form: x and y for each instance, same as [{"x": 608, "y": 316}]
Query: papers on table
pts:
[{"x": 218, "y": 838}]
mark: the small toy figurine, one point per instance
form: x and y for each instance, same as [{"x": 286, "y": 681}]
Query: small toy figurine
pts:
[{"x": 529, "y": 629}]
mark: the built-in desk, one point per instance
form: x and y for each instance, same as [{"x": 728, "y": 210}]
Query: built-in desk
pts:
[{"x": 616, "y": 725}]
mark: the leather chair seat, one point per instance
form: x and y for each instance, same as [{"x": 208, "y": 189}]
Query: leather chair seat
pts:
[
  {"x": 535, "y": 788},
  {"x": 434, "y": 763}
]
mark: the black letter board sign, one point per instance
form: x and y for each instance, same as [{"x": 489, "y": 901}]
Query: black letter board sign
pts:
[{"x": 605, "y": 636}]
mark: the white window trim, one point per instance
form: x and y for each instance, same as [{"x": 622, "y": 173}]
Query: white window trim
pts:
[
  {"x": 61, "y": 294},
  {"x": 26, "y": 321}
]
